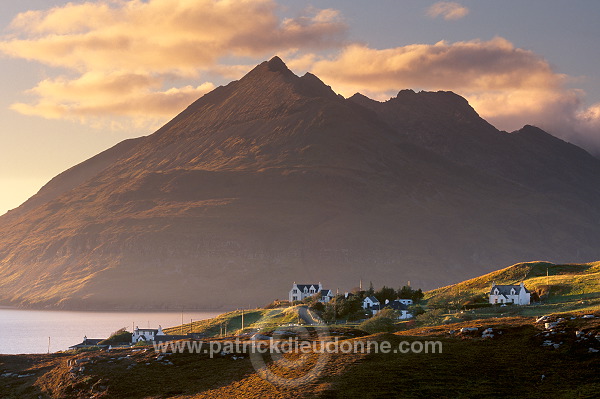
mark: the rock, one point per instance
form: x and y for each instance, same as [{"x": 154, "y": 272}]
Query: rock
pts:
[
  {"x": 587, "y": 316},
  {"x": 257, "y": 337},
  {"x": 468, "y": 329},
  {"x": 592, "y": 350}
]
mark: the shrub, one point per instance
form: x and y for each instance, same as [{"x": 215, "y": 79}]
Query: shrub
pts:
[
  {"x": 416, "y": 310},
  {"x": 317, "y": 306},
  {"x": 358, "y": 315},
  {"x": 121, "y": 336},
  {"x": 432, "y": 317},
  {"x": 389, "y": 313},
  {"x": 277, "y": 304},
  {"x": 378, "y": 324}
]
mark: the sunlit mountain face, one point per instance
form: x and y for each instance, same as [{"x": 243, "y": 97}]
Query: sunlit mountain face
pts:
[{"x": 275, "y": 178}]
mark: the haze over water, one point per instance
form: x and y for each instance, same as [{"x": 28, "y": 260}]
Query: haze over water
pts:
[{"x": 27, "y": 331}]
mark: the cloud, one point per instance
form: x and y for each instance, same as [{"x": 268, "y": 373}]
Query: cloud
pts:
[
  {"x": 473, "y": 66},
  {"x": 508, "y": 86},
  {"x": 97, "y": 94},
  {"x": 448, "y": 10},
  {"x": 125, "y": 49},
  {"x": 164, "y": 35}
]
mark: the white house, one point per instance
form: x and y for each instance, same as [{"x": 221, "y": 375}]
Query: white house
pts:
[
  {"x": 145, "y": 334},
  {"x": 326, "y": 296},
  {"x": 516, "y": 294},
  {"x": 371, "y": 303},
  {"x": 400, "y": 307},
  {"x": 301, "y": 291}
]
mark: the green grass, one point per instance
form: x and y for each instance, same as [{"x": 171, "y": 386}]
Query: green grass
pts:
[
  {"x": 566, "y": 284},
  {"x": 256, "y": 319}
]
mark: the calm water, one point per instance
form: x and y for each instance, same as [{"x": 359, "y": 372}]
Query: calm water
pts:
[{"x": 27, "y": 331}]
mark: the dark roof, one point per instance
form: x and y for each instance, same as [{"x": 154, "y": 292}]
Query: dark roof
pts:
[
  {"x": 308, "y": 287},
  {"x": 505, "y": 289},
  {"x": 326, "y": 293},
  {"x": 372, "y": 298},
  {"x": 88, "y": 342},
  {"x": 396, "y": 305}
]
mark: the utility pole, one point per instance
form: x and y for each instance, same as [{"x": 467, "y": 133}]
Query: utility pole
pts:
[{"x": 48, "y": 345}]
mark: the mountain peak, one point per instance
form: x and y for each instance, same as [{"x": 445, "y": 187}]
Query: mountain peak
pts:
[{"x": 276, "y": 64}]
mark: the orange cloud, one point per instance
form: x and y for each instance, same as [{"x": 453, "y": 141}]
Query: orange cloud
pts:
[
  {"x": 96, "y": 94},
  {"x": 124, "y": 49},
  {"x": 448, "y": 10},
  {"x": 163, "y": 35}
]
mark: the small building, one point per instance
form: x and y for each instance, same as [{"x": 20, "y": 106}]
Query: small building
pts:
[
  {"x": 326, "y": 296},
  {"x": 301, "y": 291},
  {"x": 370, "y": 302},
  {"x": 407, "y": 302},
  {"x": 89, "y": 343},
  {"x": 145, "y": 334},
  {"x": 400, "y": 307},
  {"x": 515, "y": 294}
]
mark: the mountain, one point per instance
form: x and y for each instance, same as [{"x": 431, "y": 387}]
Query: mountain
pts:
[{"x": 275, "y": 178}]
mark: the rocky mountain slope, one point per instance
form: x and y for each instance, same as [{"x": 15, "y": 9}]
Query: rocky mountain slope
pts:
[{"x": 274, "y": 178}]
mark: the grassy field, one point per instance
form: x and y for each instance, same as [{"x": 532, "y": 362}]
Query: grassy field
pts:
[
  {"x": 569, "y": 285},
  {"x": 231, "y": 322}
]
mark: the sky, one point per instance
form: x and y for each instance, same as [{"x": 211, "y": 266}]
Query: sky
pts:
[{"x": 78, "y": 77}]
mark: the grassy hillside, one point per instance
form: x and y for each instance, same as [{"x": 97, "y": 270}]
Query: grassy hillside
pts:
[
  {"x": 559, "y": 287},
  {"x": 232, "y": 322}
]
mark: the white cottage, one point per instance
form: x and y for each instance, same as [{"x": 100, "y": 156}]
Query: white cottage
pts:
[
  {"x": 400, "y": 307},
  {"x": 515, "y": 294},
  {"x": 301, "y": 291},
  {"x": 370, "y": 303},
  {"x": 145, "y": 334},
  {"x": 326, "y": 296}
]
